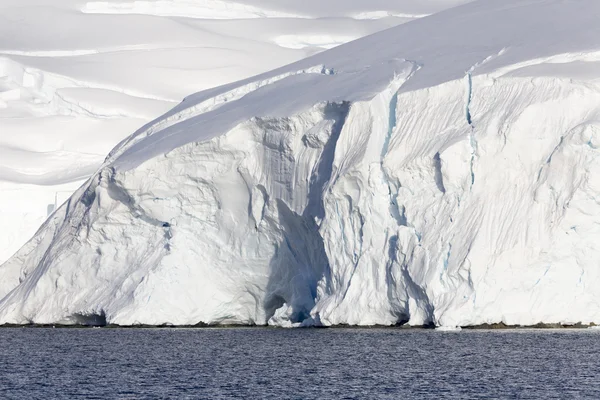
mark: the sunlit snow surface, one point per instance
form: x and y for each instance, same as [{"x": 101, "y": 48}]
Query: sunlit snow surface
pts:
[
  {"x": 443, "y": 171},
  {"x": 76, "y": 77}
]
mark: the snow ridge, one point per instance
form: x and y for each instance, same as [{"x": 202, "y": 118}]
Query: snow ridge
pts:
[{"x": 210, "y": 104}]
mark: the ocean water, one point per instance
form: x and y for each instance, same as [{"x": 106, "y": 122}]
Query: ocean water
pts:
[{"x": 262, "y": 363}]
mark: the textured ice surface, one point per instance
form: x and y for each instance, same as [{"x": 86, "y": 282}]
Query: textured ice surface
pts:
[{"x": 444, "y": 171}]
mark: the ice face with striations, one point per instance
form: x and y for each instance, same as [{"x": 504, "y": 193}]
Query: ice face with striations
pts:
[{"x": 446, "y": 171}]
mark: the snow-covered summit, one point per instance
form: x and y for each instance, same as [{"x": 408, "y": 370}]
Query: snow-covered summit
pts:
[{"x": 443, "y": 171}]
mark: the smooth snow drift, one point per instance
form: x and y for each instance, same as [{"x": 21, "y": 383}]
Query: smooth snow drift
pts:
[{"x": 444, "y": 171}]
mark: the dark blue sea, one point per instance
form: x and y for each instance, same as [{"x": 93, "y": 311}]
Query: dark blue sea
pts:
[{"x": 262, "y": 363}]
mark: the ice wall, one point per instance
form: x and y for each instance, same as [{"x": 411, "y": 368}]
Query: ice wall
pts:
[{"x": 385, "y": 181}]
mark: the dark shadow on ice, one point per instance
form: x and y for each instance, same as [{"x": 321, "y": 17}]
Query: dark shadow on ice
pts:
[
  {"x": 300, "y": 260},
  {"x": 337, "y": 113},
  {"x": 299, "y": 263},
  {"x": 89, "y": 319},
  {"x": 439, "y": 178}
]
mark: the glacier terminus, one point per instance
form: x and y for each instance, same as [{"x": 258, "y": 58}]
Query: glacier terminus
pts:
[{"x": 445, "y": 171}]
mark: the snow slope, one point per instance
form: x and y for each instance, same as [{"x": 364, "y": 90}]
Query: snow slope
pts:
[
  {"x": 76, "y": 77},
  {"x": 423, "y": 174}
]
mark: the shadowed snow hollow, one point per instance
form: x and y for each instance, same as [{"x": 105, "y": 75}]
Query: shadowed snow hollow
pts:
[{"x": 424, "y": 174}]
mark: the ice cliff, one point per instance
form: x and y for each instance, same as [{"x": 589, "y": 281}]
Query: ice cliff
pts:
[{"x": 445, "y": 171}]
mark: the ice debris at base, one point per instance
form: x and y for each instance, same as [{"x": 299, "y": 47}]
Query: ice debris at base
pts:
[
  {"x": 448, "y": 328},
  {"x": 445, "y": 171}
]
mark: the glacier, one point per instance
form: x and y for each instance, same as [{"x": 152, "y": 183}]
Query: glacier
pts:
[{"x": 441, "y": 172}]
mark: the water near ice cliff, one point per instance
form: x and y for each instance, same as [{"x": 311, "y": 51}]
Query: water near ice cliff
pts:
[{"x": 298, "y": 364}]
